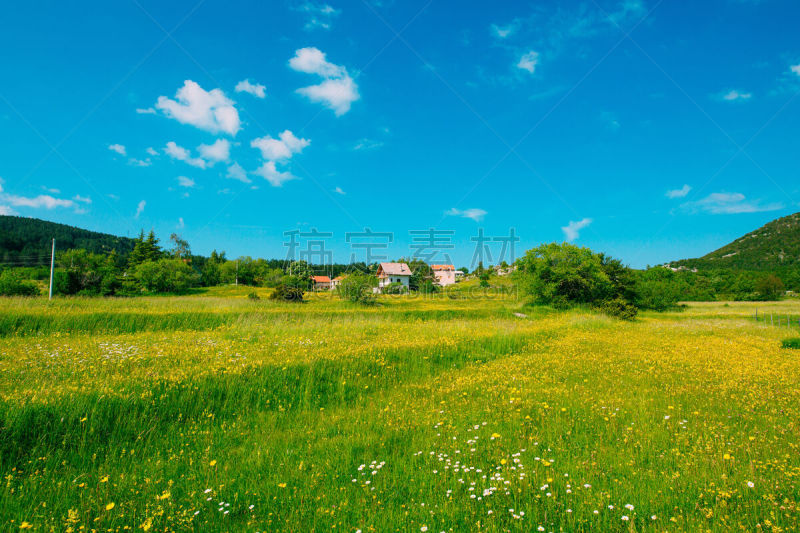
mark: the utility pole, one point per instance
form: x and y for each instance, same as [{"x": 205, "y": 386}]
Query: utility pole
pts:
[
  {"x": 236, "y": 282},
  {"x": 52, "y": 266}
]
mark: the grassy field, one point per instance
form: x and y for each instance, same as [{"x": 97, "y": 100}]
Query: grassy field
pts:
[{"x": 213, "y": 412}]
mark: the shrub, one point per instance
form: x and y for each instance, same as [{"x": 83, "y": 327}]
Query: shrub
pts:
[
  {"x": 658, "y": 295},
  {"x": 287, "y": 293},
  {"x": 770, "y": 287},
  {"x": 165, "y": 275},
  {"x": 253, "y": 296},
  {"x": 793, "y": 343},
  {"x": 394, "y": 288},
  {"x": 428, "y": 287},
  {"x": 618, "y": 308},
  {"x": 358, "y": 288},
  {"x": 12, "y": 284},
  {"x": 564, "y": 274}
]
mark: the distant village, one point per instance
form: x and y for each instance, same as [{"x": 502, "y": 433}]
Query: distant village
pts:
[{"x": 400, "y": 273}]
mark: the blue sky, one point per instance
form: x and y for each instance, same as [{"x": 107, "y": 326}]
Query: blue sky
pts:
[{"x": 649, "y": 130}]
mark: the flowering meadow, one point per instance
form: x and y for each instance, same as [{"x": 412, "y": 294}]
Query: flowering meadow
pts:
[{"x": 217, "y": 412}]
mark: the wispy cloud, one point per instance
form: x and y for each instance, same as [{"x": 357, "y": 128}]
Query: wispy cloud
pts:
[
  {"x": 734, "y": 95},
  {"x": 368, "y": 144},
  {"x": 338, "y": 90},
  {"x": 504, "y": 31},
  {"x": 573, "y": 229},
  {"x": 140, "y": 208},
  {"x": 236, "y": 172},
  {"x": 120, "y": 149},
  {"x": 35, "y": 202},
  {"x": 725, "y": 203},
  {"x": 183, "y": 181},
  {"x": 140, "y": 162},
  {"x": 319, "y": 15},
  {"x": 528, "y": 61},
  {"x": 338, "y": 190},
  {"x": 679, "y": 193},
  {"x": 475, "y": 214},
  {"x": 795, "y": 69},
  {"x": 256, "y": 89},
  {"x": 211, "y": 111},
  {"x": 182, "y": 154}
]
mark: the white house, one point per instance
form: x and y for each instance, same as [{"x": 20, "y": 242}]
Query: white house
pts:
[
  {"x": 393, "y": 273},
  {"x": 445, "y": 274}
]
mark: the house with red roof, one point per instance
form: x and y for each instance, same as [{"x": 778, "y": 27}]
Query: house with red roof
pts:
[
  {"x": 389, "y": 273},
  {"x": 321, "y": 283},
  {"x": 445, "y": 274}
]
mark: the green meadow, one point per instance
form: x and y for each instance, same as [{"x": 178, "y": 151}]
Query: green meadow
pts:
[{"x": 454, "y": 412}]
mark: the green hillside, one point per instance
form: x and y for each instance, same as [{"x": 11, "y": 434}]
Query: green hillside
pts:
[
  {"x": 772, "y": 247},
  {"x": 27, "y": 241}
]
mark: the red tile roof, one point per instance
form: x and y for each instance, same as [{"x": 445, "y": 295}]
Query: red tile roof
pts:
[
  {"x": 443, "y": 267},
  {"x": 321, "y": 279},
  {"x": 394, "y": 269}
]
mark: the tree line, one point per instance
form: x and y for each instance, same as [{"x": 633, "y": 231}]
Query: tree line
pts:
[{"x": 553, "y": 274}]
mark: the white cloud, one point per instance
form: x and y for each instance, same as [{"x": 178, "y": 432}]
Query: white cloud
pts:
[
  {"x": 280, "y": 149},
  {"x": 140, "y": 162},
  {"x": 42, "y": 201},
  {"x": 312, "y": 61},
  {"x": 734, "y": 95},
  {"x": 338, "y": 190},
  {"x": 146, "y": 111},
  {"x": 140, "y": 208},
  {"x": 573, "y": 229},
  {"x": 51, "y": 190},
  {"x": 7, "y": 211},
  {"x": 181, "y": 225},
  {"x": 117, "y": 148},
  {"x": 501, "y": 32},
  {"x": 725, "y": 203},
  {"x": 795, "y": 69},
  {"x": 336, "y": 94},
  {"x": 183, "y": 181},
  {"x": 182, "y": 154},
  {"x": 82, "y": 199},
  {"x": 213, "y": 153},
  {"x": 236, "y": 172},
  {"x": 257, "y": 90},
  {"x": 679, "y": 193},
  {"x": 211, "y": 111},
  {"x": 367, "y": 144},
  {"x": 474, "y": 214},
  {"x": 338, "y": 90},
  {"x": 152, "y": 151},
  {"x": 269, "y": 172},
  {"x": 529, "y": 61},
  {"x": 319, "y": 15}
]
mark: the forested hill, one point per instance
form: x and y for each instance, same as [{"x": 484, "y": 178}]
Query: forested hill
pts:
[
  {"x": 772, "y": 247},
  {"x": 27, "y": 241}
]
